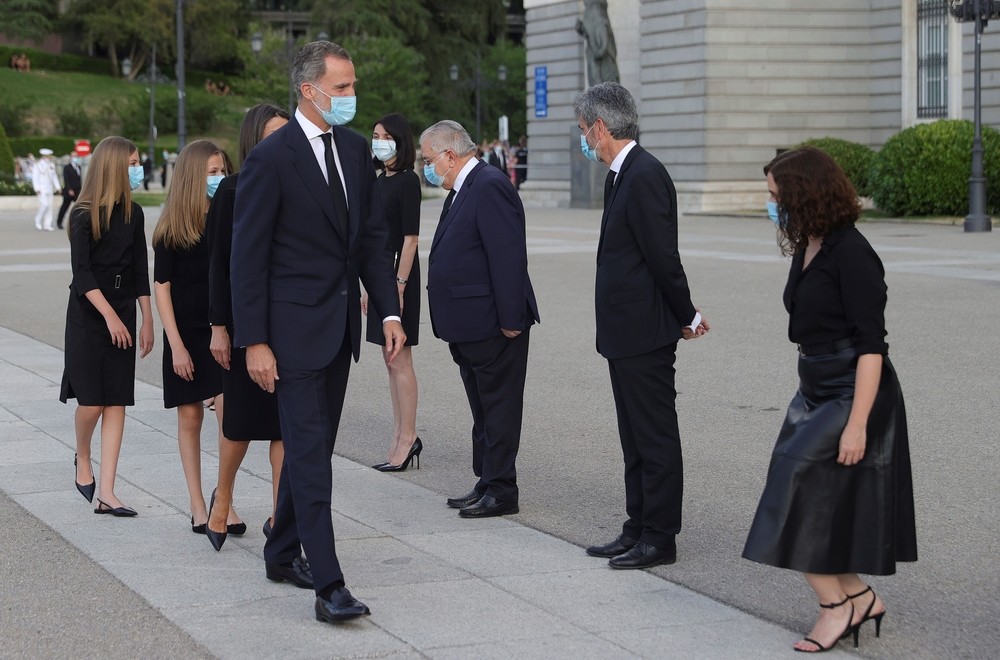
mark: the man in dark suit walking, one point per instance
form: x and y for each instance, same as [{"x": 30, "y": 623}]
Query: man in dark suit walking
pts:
[
  {"x": 643, "y": 307},
  {"x": 72, "y": 182},
  {"x": 483, "y": 305},
  {"x": 307, "y": 225}
]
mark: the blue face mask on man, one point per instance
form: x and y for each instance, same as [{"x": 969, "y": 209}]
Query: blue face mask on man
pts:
[
  {"x": 212, "y": 184},
  {"x": 589, "y": 152},
  {"x": 431, "y": 175},
  {"x": 135, "y": 176},
  {"x": 342, "y": 108}
]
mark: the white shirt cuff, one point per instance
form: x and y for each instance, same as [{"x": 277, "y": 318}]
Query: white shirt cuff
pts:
[
  {"x": 694, "y": 324},
  {"x": 396, "y": 318}
]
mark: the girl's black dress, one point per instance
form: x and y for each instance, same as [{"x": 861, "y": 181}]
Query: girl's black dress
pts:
[
  {"x": 97, "y": 373},
  {"x": 816, "y": 515},
  {"x": 401, "y": 204},
  {"x": 250, "y": 413},
  {"x": 187, "y": 272}
]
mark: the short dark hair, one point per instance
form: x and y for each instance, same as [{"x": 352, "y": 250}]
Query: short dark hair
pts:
[
  {"x": 310, "y": 62},
  {"x": 815, "y": 196},
  {"x": 253, "y": 126},
  {"x": 396, "y": 125}
]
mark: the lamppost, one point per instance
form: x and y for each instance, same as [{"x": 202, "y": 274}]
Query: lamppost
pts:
[
  {"x": 478, "y": 83},
  {"x": 979, "y": 11},
  {"x": 181, "y": 123},
  {"x": 257, "y": 45},
  {"x": 126, "y": 72}
]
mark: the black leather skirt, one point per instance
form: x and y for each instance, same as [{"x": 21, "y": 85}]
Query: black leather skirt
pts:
[{"x": 818, "y": 516}]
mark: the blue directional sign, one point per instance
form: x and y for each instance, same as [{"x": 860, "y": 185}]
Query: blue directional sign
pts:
[{"x": 541, "y": 91}]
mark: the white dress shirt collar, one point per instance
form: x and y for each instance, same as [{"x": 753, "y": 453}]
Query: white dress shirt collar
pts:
[
  {"x": 616, "y": 164},
  {"x": 463, "y": 173}
]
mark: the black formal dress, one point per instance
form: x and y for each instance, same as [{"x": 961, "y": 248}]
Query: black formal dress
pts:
[
  {"x": 816, "y": 515},
  {"x": 98, "y": 373},
  {"x": 250, "y": 412},
  {"x": 401, "y": 205},
  {"x": 187, "y": 272}
]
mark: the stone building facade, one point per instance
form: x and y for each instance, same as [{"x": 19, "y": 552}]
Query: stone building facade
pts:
[{"x": 722, "y": 85}]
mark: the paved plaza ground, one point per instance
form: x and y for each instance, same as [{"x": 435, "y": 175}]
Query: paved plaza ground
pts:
[{"x": 79, "y": 584}]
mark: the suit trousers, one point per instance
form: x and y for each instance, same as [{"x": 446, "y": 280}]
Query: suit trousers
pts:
[
  {"x": 493, "y": 372},
  {"x": 67, "y": 201},
  {"x": 645, "y": 400},
  {"x": 310, "y": 404}
]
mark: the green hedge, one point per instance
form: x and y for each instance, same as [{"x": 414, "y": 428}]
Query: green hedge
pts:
[
  {"x": 61, "y": 145},
  {"x": 8, "y": 186},
  {"x": 41, "y": 60},
  {"x": 855, "y": 159},
  {"x": 6, "y": 155},
  {"x": 924, "y": 170}
]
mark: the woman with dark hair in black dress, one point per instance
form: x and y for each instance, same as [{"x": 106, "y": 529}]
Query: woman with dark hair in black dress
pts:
[
  {"x": 250, "y": 412},
  {"x": 839, "y": 495},
  {"x": 399, "y": 186},
  {"x": 107, "y": 241}
]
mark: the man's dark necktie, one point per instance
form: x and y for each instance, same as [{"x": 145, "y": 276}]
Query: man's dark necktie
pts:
[
  {"x": 447, "y": 205},
  {"x": 336, "y": 189},
  {"x": 609, "y": 183}
]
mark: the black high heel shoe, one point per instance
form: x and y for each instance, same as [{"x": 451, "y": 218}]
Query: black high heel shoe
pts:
[
  {"x": 414, "y": 455},
  {"x": 87, "y": 490},
  {"x": 216, "y": 538},
  {"x": 868, "y": 615},
  {"x": 847, "y": 630}
]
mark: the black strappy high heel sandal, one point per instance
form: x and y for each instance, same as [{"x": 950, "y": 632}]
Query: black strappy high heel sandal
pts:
[
  {"x": 868, "y": 614},
  {"x": 847, "y": 631}
]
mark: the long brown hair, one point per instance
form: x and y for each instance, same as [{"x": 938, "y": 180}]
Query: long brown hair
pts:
[
  {"x": 107, "y": 183},
  {"x": 253, "y": 126},
  {"x": 183, "y": 219},
  {"x": 816, "y": 197}
]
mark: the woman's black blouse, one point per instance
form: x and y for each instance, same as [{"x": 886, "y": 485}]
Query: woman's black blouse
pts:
[
  {"x": 841, "y": 295},
  {"x": 186, "y": 269},
  {"x": 219, "y": 228},
  {"x": 401, "y": 201}
]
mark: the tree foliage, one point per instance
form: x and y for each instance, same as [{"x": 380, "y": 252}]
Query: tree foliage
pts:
[{"x": 30, "y": 20}]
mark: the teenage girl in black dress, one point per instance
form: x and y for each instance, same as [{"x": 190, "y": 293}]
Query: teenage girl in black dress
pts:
[
  {"x": 180, "y": 282},
  {"x": 108, "y": 253}
]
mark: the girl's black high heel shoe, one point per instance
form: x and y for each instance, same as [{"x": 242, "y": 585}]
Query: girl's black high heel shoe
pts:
[
  {"x": 87, "y": 490},
  {"x": 847, "y": 630},
  {"x": 413, "y": 455},
  {"x": 868, "y": 615},
  {"x": 214, "y": 537}
]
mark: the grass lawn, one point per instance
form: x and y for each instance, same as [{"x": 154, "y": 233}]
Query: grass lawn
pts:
[{"x": 50, "y": 91}]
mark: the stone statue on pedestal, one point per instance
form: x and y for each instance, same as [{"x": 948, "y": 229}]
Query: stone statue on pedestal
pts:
[{"x": 602, "y": 56}]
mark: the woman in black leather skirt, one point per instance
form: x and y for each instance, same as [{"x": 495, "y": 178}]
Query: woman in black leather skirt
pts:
[{"x": 839, "y": 497}]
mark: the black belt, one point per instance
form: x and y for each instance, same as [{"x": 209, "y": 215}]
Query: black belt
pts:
[{"x": 825, "y": 347}]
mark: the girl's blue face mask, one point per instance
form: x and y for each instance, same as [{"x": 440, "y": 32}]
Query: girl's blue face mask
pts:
[
  {"x": 212, "y": 184},
  {"x": 136, "y": 175}
]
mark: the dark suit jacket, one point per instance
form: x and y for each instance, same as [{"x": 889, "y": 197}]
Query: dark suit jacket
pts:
[
  {"x": 71, "y": 180},
  {"x": 294, "y": 276},
  {"x": 497, "y": 161},
  {"x": 477, "y": 275},
  {"x": 642, "y": 295}
]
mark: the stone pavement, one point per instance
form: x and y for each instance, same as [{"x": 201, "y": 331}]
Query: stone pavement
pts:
[{"x": 439, "y": 586}]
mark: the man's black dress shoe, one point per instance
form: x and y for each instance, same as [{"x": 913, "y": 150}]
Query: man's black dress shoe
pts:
[
  {"x": 466, "y": 500},
  {"x": 342, "y": 606},
  {"x": 619, "y": 546},
  {"x": 643, "y": 555},
  {"x": 487, "y": 507},
  {"x": 298, "y": 573}
]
